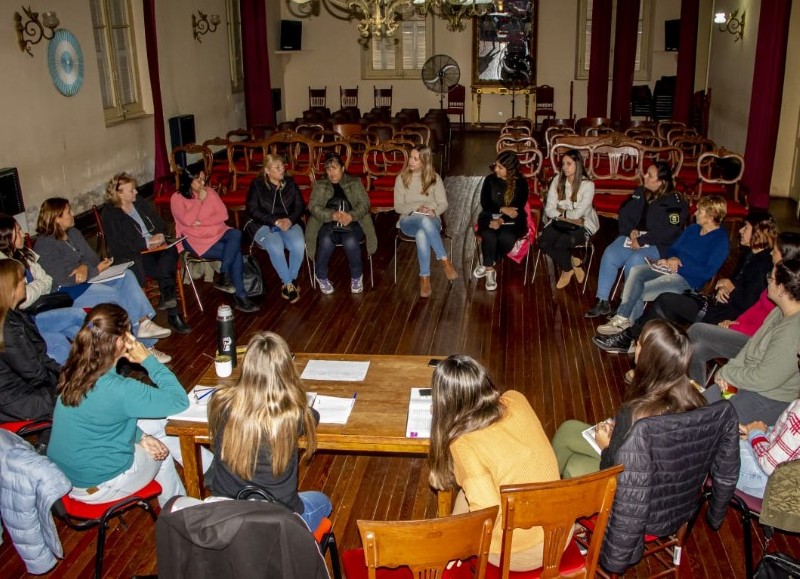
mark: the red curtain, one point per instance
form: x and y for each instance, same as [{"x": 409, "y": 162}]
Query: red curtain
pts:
[
  {"x": 687, "y": 52},
  {"x": 765, "y": 102},
  {"x": 161, "y": 169},
  {"x": 255, "y": 58},
  {"x": 597, "y": 90},
  {"x": 624, "y": 59}
]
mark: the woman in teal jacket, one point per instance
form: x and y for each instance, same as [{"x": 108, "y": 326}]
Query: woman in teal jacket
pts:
[{"x": 96, "y": 440}]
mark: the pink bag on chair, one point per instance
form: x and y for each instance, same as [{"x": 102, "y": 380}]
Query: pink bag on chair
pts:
[{"x": 523, "y": 244}]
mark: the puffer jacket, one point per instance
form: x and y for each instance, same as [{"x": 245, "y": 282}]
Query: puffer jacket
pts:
[
  {"x": 29, "y": 486},
  {"x": 667, "y": 459}
]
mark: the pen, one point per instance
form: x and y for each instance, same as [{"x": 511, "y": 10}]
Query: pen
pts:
[
  {"x": 204, "y": 394},
  {"x": 354, "y": 395}
]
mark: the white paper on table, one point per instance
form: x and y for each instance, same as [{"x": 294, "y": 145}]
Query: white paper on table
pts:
[
  {"x": 418, "y": 424},
  {"x": 335, "y": 371},
  {"x": 332, "y": 409},
  {"x": 198, "y": 410}
]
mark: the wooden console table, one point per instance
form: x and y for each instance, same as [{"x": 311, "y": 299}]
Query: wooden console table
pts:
[{"x": 479, "y": 91}]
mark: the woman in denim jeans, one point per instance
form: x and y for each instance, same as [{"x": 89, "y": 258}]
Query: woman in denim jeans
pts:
[
  {"x": 420, "y": 199},
  {"x": 274, "y": 207}
]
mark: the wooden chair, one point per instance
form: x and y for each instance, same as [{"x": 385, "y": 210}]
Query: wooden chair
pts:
[
  {"x": 383, "y": 163},
  {"x": 507, "y": 141},
  {"x": 720, "y": 173},
  {"x": 545, "y": 103},
  {"x": 586, "y": 123},
  {"x": 423, "y": 547},
  {"x": 380, "y": 132},
  {"x": 317, "y": 97},
  {"x": 220, "y": 176},
  {"x": 556, "y": 506},
  {"x": 424, "y": 132},
  {"x": 348, "y": 97},
  {"x": 456, "y": 97},
  {"x": 239, "y": 135},
  {"x": 383, "y": 97}
]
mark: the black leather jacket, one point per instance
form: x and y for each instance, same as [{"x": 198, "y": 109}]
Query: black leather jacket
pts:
[
  {"x": 267, "y": 203},
  {"x": 652, "y": 500},
  {"x": 28, "y": 376}
]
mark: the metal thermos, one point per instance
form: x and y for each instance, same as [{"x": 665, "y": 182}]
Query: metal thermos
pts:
[{"x": 226, "y": 333}]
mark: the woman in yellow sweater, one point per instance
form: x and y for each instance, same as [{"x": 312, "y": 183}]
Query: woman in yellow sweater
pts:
[{"x": 481, "y": 440}]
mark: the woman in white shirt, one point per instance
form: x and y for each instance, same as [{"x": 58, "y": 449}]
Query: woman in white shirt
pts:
[{"x": 572, "y": 217}]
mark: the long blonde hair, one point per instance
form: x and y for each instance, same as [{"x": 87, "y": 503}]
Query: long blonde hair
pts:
[
  {"x": 427, "y": 173},
  {"x": 266, "y": 406},
  {"x": 464, "y": 400},
  {"x": 11, "y": 272}
]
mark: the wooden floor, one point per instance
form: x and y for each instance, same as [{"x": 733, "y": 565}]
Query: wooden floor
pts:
[{"x": 531, "y": 337}]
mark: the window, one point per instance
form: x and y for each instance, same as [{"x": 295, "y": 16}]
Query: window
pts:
[
  {"x": 235, "y": 45},
  {"x": 641, "y": 69},
  {"x": 114, "y": 44},
  {"x": 402, "y": 55}
]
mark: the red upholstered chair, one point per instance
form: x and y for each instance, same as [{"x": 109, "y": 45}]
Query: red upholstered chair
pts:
[
  {"x": 383, "y": 163},
  {"x": 456, "y": 97},
  {"x": 83, "y": 516},
  {"x": 26, "y": 427},
  {"x": 720, "y": 173},
  {"x": 417, "y": 549},
  {"x": 545, "y": 102}
]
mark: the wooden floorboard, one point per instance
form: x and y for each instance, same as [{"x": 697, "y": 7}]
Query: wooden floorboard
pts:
[{"x": 531, "y": 337}]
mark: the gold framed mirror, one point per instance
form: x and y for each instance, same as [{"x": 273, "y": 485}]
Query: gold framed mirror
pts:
[{"x": 504, "y": 45}]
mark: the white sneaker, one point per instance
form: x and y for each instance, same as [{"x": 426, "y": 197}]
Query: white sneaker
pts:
[
  {"x": 160, "y": 356},
  {"x": 149, "y": 329},
  {"x": 491, "y": 280},
  {"x": 479, "y": 272},
  {"x": 614, "y": 326}
]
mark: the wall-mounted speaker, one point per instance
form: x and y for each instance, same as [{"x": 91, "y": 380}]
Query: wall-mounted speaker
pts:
[
  {"x": 11, "y": 201},
  {"x": 291, "y": 34},
  {"x": 181, "y": 132},
  {"x": 672, "y": 35}
]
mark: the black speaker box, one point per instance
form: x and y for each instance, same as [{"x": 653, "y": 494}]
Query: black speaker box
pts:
[
  {"x": 672, "y": 35},
  {"x": 181, "y": 132},
  {"x": 11, "y": 201},
  {"x": 291, "y": 34}
]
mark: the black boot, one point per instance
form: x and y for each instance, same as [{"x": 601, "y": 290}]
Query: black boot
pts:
[
  {"x": 167, "y": 300},
  {"x": 616, "y": 344},
  {"x": 224, "y": 284},
  {"x": 176, "y": 322},
  {"x": 601, "y": 308},
  {"x": 245, "y": 304}
]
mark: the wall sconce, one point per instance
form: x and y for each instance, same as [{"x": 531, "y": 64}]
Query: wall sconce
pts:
[
  {"x": 202, "y": 24},
  {"x": 732, "y": 24},
  {"x": 34, "y": 28}
]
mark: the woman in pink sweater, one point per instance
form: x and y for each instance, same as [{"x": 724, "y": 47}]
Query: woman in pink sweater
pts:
[{"x": 200, "y": 215}]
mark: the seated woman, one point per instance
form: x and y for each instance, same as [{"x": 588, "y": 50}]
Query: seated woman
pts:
[
  {"x": 481, "y": 440},
  {"x": 339, "y": 208},
  {"x": 200, "y": 215},
  {"x": 502, "y": 220},
  {"x": 691, "y": 261},
  {"x": 57, "y": 326},
  {"x": 733, "y": 295},
  {"x": 68, "y": 259},
  {"x": 762, "y": 449},
  {"x": 649, "y": 222},
  {"x": 728, "y": 337},
  {"x": 132, "y": 227},
  {"x": 28, "y": 376},
  {"x": 572, "y": 218},
  {"x": 763, "y": 379},
  {"x": 420, "y": 200},
  {"x": 660, "y": 386},
  {"x": 255, "y": 425},
  {"x": 96, "y": 440},
  {"x": 274, "y": 208}
]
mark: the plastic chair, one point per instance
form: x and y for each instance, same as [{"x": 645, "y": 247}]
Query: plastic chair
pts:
[
  {"x": 556, "y": 506},
  {"x": 456, "y": 97},
  {"x": 83, "y": 516},
  {"x": 422, "y": 548}
]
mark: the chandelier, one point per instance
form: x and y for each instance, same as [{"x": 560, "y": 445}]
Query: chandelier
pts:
[{"x": 381, "y": 18}]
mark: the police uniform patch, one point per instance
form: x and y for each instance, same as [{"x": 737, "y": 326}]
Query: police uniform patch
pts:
[{"x": 674, "y": 218}]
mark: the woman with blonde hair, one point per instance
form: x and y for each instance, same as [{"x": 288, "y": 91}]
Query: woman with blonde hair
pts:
[
  {"x": 28, "y": 376},
  {"x": 255, "y": 425},
  {"x": 274, "y": 208},
  {"x": 481, "y": 440},
  {"x": 420, "y": 199},
  {"x": 99, "y": 438}
]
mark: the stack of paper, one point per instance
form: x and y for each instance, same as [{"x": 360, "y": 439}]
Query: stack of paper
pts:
[
  {"x": 335, "y": 371},
  {"x": 199, "y": 398},
  {"x": 333, "y": 410},
  {"x": 418, "y": 424}
]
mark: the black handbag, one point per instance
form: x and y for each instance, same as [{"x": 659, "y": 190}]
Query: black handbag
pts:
[
  {"x": 47, "y": 302},
  {"x": 564, "y": 226},
  {"x": 252, "y": 276},
  {"x": 702, "y": 301},
  {"x": 340, "y": 204},
  {"x": 777, "y": 566}
]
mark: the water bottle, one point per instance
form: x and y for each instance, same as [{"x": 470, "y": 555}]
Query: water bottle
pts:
[{"x": 226, "y": 333}]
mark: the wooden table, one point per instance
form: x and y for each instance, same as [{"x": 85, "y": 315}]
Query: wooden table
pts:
[{"x": 376, "y": 424}]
